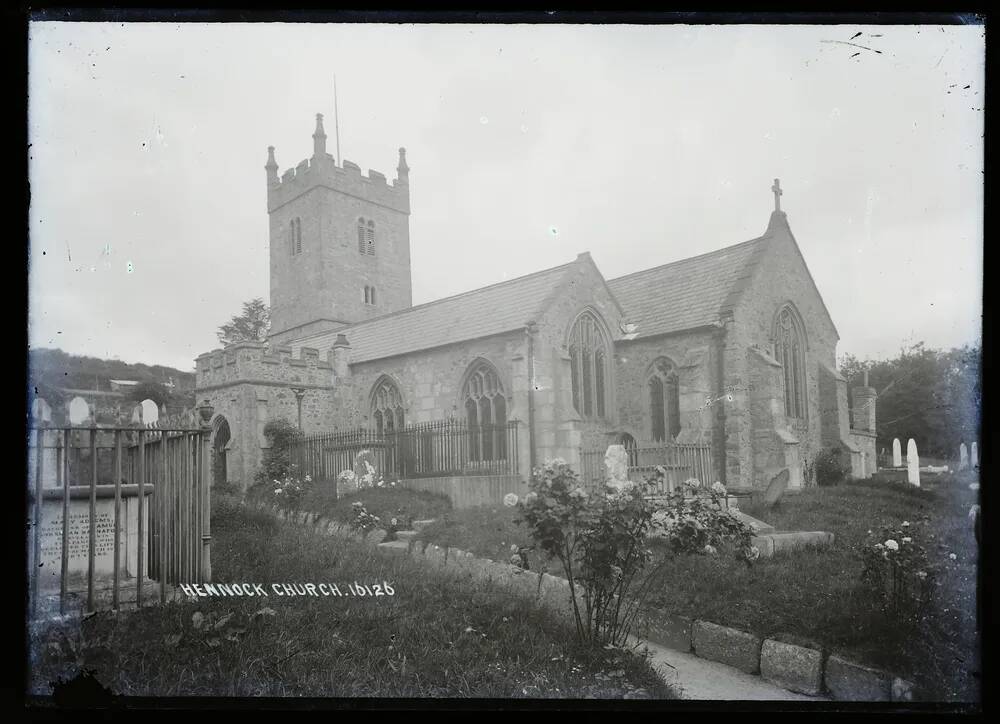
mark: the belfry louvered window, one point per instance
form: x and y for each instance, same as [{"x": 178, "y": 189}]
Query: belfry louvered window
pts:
[
  {"x": 366, "y": 237},
  {"x": 589, "y": 351},
  {"x": 295, "y": 237}
]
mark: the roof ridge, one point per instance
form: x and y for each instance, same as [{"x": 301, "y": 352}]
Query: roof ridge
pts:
[
  {"x": 687, "y": 258},
  {"x": 424, "y": 305}
]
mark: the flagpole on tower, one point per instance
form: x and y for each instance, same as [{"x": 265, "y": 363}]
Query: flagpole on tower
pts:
[{"x": 336, "y": 119}]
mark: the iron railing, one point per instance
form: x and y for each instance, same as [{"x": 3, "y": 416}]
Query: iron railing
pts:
[
  {"x": 678, "y": 461},
  {"x": 443, "y": 448},
  {"x": 171, "y": 529}
]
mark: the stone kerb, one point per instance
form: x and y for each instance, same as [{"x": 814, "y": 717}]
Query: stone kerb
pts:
[{"x": 801, "y": 669}]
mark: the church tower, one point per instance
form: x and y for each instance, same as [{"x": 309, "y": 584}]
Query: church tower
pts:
[{"x": 339, "y": 240}]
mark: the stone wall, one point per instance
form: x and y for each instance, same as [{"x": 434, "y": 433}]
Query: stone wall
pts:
[{"x": 782, "y": 277}]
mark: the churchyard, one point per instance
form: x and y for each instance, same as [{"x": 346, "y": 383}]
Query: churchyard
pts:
[
  {"x": 438, "y": 635},
  {"x": 433, "y": 637}
]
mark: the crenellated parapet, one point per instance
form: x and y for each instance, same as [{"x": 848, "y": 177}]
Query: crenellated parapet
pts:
[
  {"x": 322, "y": 171},
  {"x": 258, "y": 363}
]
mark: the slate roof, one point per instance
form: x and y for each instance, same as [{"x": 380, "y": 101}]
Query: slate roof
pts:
[
  {"x": 687, "y": 293},
  {"x": 490, "y": 310}
]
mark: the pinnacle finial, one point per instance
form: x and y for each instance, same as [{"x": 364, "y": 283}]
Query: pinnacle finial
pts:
[
  {"x": 402, "y": 169},
  {"x": 776, "y": 189},
  {"x": 319, "y": 137},
  {"x": 271, "y": 166}
]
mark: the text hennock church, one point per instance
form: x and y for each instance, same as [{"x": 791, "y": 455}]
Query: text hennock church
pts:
[{"x": 732, "y": 352}]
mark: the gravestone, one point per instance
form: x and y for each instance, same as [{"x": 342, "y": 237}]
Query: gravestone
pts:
[
  {"x": 78, "y": 536},
  {"x": 912, "y": 463},
  {"x": 776, "y": 488},
  {"x": 963, "y": 457},
  {"x": 897, "y": 453},
  {"x": 79, "y": 411},
  {"x": 974, "y": 457},
  {"x": 366, "y": 473},
  {"x": 616, "y": 465}
]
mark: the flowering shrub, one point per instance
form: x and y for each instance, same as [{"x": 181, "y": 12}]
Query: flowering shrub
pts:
[
  {"x": 346, "y": 482},
  {"x": 695, "y": 519},
  {"x": 830, "y": 467},
  {"x": 363, "y": 522},
  {"x": 897, "y": 572},
  {"x": 289, "y": 489},
  {"x": 277, "y": 460},
  {"x": 600, "y": 539}
]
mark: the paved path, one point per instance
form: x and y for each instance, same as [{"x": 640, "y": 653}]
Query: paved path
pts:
[{"x": 696, "y": 678}]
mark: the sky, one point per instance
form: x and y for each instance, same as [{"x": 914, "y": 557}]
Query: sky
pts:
[{"x": 527, "y": 145}]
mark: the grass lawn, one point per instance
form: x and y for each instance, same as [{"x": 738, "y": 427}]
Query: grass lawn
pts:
[
  {"x": 436, "y": 636},
  {"x": 812, "y": 595}
]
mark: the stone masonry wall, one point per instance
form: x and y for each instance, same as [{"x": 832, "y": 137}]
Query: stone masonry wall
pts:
[
  {"x": 327, "y": 280},
  {"x": 783, "y": 277}
]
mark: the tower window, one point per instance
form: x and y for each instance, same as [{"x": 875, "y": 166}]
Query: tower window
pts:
[
  {"x": 370, "y": 295},
  {"x": 295, "y": 237},
  {"x": 366, "y": 237}
]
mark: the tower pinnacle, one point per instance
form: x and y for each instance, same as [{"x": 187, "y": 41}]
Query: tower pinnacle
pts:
[
  {"x": 271, "y": 166},
  {"x": 319, "y": 137},
  {"x": 402, "y": 169}
]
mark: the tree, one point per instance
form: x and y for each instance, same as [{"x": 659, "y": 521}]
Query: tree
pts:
[
  {"x": 250, "y": 326},
  {"x": 930, "y": 395}
]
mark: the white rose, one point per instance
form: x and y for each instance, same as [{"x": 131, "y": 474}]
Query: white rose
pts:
[
  {"x": 510, "y": 500},
  {"x": 892, "y": 545}
]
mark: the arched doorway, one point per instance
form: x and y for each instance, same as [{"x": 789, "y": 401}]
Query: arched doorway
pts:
[{"x": 221, "y": 437}]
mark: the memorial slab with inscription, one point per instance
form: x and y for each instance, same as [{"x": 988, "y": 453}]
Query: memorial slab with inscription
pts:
[{"x": 49, "y": 565}]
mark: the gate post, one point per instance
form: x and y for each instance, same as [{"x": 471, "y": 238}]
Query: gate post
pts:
[{"x": 206, "y": 410}]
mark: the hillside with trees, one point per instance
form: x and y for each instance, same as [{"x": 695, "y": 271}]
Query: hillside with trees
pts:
[
  {"x": 51, "y": 370},
  {"x": 933, "y": 396}
]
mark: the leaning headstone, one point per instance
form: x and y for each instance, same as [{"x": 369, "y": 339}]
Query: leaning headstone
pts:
[
  {"x": 963, "y": 457},
  {"x": 616, "y": 465},
  {"x": 912, "y": 463},
  {"x": 974, "y": 456},
  {"x": 897, "y": 453},
  {"x": 776, "y": 488}
]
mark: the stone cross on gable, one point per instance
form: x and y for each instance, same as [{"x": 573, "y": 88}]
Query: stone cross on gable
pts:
[{"x": 777, "y": 194}]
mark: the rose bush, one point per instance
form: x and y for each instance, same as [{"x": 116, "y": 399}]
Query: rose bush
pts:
[
  {"x": 600, "y": 538},
  {"x": 897, "y": 572}
]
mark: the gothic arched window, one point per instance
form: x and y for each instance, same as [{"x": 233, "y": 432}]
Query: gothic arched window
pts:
[
  {"x": 664, "y": 400},
  {"x": 387, "y": 407},
  {"x": 588, "y": 353},
  {"x": 485, "y": 412},
  {"x": 366, "y": 236},
  {"x": 790, "y": 350}
]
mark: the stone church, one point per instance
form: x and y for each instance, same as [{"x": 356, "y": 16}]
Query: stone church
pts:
[{"x": 731, "y": 352}]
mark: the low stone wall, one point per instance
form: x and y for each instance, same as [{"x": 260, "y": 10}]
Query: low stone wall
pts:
[
  {"x": 806, "y": 669},
  {"x": 470, "y": 491}
]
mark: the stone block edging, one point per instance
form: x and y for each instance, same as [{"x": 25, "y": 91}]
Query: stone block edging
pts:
[{"x": 801, "y": 669}]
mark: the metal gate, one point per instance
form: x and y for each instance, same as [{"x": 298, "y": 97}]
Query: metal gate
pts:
[{"x": 126, "y": 540}]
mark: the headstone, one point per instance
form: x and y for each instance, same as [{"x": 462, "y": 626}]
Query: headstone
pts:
[
  {"x": 150, "y": 412},
  {"x": 776, "y": 488},
  {"x": 897, "y": 453},
  {"x": 40, "y": 410},
  {"x": 963, "y": 457},
  {"x": 616, "y": 465},
  {"x": 366, "y": 474},
  {"x": 137, "y": 414},
  {"x": 974, "y": 457},
  {"x": 912, "y": 463},
  {"x": 79, "y": 411}
]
